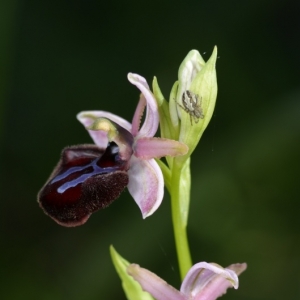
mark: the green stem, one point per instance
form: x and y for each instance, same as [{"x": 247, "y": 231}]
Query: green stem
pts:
[{"x": 179, "y": 221}]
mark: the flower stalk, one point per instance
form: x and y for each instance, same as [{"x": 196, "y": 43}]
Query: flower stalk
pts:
[{"x": 180, "y": 196}]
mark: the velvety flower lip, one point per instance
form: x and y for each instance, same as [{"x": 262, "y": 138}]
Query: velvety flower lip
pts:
[
  {"x": 87, "y": 178},
  {"x": 204, "y": 281},
  {"x": 146, "y": 184}
]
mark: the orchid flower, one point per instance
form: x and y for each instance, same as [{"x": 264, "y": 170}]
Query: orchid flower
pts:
[
  {"x": 90, "y": 177},
  {"x": 204, "y": 281}
]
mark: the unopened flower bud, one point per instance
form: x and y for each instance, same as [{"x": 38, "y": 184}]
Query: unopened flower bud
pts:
[{"x": 195, "y": 98}]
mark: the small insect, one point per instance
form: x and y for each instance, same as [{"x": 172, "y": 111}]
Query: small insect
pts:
[{"x": 192, "y": 105}]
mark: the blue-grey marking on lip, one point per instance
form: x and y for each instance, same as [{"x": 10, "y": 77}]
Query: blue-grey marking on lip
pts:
[{"x": 96, "y": 170}]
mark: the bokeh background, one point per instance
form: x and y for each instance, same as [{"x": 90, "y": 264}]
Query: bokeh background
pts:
[{"x": 61, "y": 57}]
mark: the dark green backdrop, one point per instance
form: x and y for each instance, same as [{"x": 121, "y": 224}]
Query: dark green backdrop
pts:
[{"x": 62, "y": 57}]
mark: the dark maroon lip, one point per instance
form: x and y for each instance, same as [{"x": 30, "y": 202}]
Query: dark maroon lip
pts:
[{"x": 83, "y": 182}]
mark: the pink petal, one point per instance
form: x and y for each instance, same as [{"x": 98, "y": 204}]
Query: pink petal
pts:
[
  {"x": 146, "y": 184},
  {"x": 153, "y": 284},
  {"x": 100, "y": 137},
  {"x": 150, "y": 125},
  {"x": 146, "y": 148},
  {"x": 218, "y": 286},
  {"x": 206, "y": 281}
]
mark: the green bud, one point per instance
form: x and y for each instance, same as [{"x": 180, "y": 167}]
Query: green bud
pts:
[{"x": 196, "y": 97}]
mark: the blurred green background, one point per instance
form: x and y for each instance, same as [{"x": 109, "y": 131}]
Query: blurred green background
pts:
[{"x": 61, "y": 57}]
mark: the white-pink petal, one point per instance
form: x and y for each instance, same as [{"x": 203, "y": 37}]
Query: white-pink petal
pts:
[
  {"x": 153, "y": 284},
  {"x": 146, "y": 148},
  {"x": 146, "y": 184},
  {"x": 206, "y": 281},
  {"x": 219, "y": 284},
  {"x": 151, "y": 123}
]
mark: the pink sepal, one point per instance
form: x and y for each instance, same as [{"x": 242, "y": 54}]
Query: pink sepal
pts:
[
  {"x": 153, "y": 284},
  {"x": 208, "y": 281}
]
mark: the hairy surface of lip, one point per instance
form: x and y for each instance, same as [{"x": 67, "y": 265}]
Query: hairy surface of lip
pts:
[{"x": 85, "y": 180}]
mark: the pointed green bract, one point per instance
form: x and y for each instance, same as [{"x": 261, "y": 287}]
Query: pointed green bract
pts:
[
  {"x": 166, "y": 173},
  {"x": 173, "y": 106},
  {"x": 157, "y": 92},
  {"x": 131, "y": 287},
  {"x": 166, "y": 126}
]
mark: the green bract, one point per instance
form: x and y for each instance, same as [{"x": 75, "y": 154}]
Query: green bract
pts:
[{"x": 131, "y": 287}]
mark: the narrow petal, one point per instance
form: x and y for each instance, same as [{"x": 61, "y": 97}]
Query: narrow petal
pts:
[
  {"x": 146, "y": 184},
  {"x": 153, "y": 284},
  {"x": 100, "y": 137},
  {"x": 146, "y": 148},
  {"x": 136, "y": 121},
  {"x": 209, "y": 281},
  {"x": 150, "y": 125}
]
